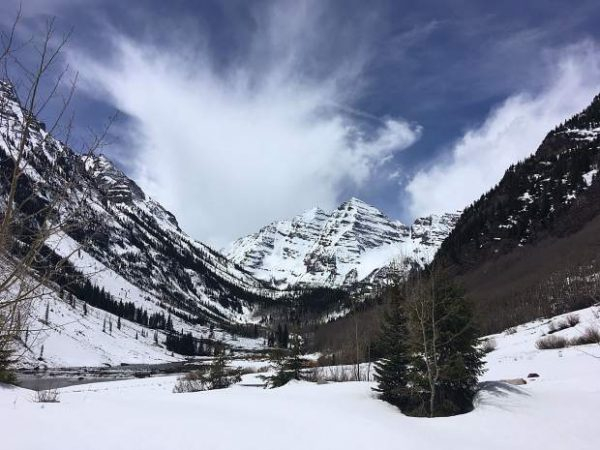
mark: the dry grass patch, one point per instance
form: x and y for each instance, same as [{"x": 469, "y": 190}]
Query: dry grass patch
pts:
[{"x": 551, "y": 342}]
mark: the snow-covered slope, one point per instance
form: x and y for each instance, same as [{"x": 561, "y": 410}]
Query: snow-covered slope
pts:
[
  {"x": 60, "y": 332},
  {"x": 141, "y": 254},
  {"x": 557, "y": 410},
  {"x": 337, "y": 248}
]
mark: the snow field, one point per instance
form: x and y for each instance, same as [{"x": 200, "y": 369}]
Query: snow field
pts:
[{"x": 557, "y": 411}]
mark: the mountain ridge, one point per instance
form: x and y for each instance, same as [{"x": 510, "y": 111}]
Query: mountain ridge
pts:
[
  {"x": 529, "y": 246},
  {"x": 337, "y": 248},
  {"x": 123, "y": 229}
]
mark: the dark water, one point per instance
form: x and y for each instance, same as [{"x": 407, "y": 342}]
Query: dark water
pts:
[{"x": 55, "y": 378}]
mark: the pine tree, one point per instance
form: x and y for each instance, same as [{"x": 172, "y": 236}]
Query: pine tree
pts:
[
  {"x": 288, "y": 367},
  {"x": 445, "y": 358},
  {"x": 285, "y": 336},
  {"x": 391, "y": 370},
  {"x": 218, "y": 375},
  {"x": 279, "y": 335}
]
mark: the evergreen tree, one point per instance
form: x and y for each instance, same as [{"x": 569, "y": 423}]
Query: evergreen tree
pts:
[
  {"x": 445, "y": 358},
  {"x": 219, "y": 377},
  {"x": 279, "y": 335},
  {"x": 391, "y": 370},
  {"x": 285, "y": 337},
  {"x": 288, "y": 367}
]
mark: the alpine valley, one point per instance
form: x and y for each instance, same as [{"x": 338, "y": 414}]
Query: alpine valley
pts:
[
  {"x": 164, "y": 284},
  {"x": 142, "y": 268}
]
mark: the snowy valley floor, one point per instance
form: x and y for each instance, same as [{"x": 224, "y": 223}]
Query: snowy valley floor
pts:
[{"x": 558, "y": 410}]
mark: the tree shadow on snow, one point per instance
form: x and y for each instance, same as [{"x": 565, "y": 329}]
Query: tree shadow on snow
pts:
[{"x": 496, "y": 393}]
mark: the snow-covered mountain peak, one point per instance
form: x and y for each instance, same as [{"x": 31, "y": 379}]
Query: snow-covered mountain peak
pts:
[{"x": 320, "y": 248}]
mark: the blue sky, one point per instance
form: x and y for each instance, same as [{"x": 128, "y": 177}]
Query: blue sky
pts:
[{"x": 237, "y": 113}]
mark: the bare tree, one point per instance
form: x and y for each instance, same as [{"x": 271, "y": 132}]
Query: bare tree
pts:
[
  {"x": 34, "y": 214},
  {"x": 422, "y": 303}
]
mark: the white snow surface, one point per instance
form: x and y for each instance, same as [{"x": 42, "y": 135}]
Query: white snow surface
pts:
[
  {"x": 557, "y": 411},
  {"x": 588, "y": 177}
]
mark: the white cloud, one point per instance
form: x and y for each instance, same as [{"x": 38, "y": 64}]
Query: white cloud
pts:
[
  {"x": 511, "y": 132},
  {"x": 228, "y": 151}
]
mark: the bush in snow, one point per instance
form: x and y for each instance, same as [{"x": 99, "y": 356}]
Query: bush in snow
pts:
[
  {"x": 217, "y": 376},
  {"x": 47, "y": 396},
  {"x": 589, "y": 336},
  {"x": 336, "y": 374},
  {"x": 489, "y": 345},
  {"x": 570, "y": 321},
  {"x": 551, "y": 342}
]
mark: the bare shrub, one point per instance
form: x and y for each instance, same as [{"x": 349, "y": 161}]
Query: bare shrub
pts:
[
  {"x": 568, "y": 322},
  {"x": 47, "y": 396},
  {"x": 551, "y": 342},
  {"x": 489, "y": 345},
  {"x": 572, "y": 320},
  {"x": 217, "y": 376},
  {"x": 190, "y": 382},
  {"x": 590, "y": 336},
  {"x": 338, "y": 374},
  {"x": 509, "y": 331},
  {"x": 34, "y": 215}
]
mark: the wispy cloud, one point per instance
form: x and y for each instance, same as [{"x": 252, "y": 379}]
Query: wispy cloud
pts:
[
  {"x": 228, "y": 150},
  {"x": 511, "y": 132}
]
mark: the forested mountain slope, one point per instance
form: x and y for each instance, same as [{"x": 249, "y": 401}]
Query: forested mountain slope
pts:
[{"x": 530, "y": 246}]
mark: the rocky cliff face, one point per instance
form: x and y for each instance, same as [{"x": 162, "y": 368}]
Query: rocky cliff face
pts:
[{"x": 337, "y": 248}]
